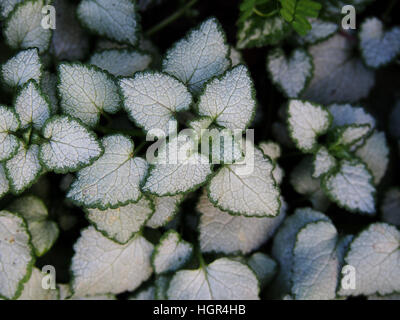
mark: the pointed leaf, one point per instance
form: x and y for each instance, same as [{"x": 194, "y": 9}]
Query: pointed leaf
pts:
[
  {"x": 86, "y": 92},
  {"x": 291, "y": 74},
  {"x": 23, "y": 27},
  {"x": 31, "y": 106},
  {"x": 375, "y": 255},
  {"x": 222, "y": 232},
  {"x": 246, "y": 188},
  {"x": 339, "y": 76},
  {"x": 323, "y": 162},
  {"x": 378, "y": 47},
  {"x": 201, "y": 55},
  {"x": 69, "y": 146},
  {"x": 112, "y": 180},
  {"x": 229, "y": 99},
  {"x": 24, "y": 168},
  {"x": 114, "y": 19},
  {"x": 224, "y": 279},
  {"x": 152, "y": 99},
  {"x": 102, "y": 266},
  {"x": 351, "y": 187},
  {"x": 24, "y": 66},
  {"x": 122, "y": 223},
  {"x": 177, "y": 170},
  {"x": 306, "y": 122}
]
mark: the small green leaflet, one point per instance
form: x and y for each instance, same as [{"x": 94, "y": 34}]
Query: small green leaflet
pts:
[{"x": 296, "y": 13}]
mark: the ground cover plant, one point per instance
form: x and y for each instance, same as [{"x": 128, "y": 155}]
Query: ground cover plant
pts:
[{"x": 158, "y": 149}]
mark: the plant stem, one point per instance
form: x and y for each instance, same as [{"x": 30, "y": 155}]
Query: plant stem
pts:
[
  {"x": 170, "y": 19},
  {"x": 264, "y": 15}
]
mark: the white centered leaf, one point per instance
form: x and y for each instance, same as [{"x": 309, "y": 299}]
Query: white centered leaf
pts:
[
  {"x": 23, "y": 27},
  {"x": 246, "y": 188},
  {"x": 306, "y": 122},
  {"x": 224, "y": 279},
  {"x": 378, "y": 47},
  {"x": 112, "y": 180},
  {"x": 351, "y": 187},
  {"x": 375, "y": 154},
  {"x": 102, "y": 266},
  {"x": 323, "y": 162},
  {"x": 152, "y": 99},
  {"x": 284, "y": 242},
  {"x": 171, "y": 253},
  {"x": 338, "y": 75},
  {"x": 33, "y": 289},
  {"x": 315, "y": 262},
  {"x": 44, "y": 232},
  {"x": 86, "y": 92},
  {"x": 165, "y": 209},
  {"x": 290, "y": 74},
  {"x": 229, "y": 99},
  {"x": 25, "y": 65},
  {"x": 122, "y": 62},
  {"x": 9, "y": 123},
  {"x": 69, "y": 146},
  {"x": 31, "y": 106},
  {"x": 24, "y": 168},
  {"x": 16, "y": 257},
  {"x": 122, "y": 223},
  {"x": 114, "y": 19},
  {"x": 201, "y": 55},
  {"x": 375, "y": 255},
  {"x": 177, "y": 170},
  {"x": 222, "y": 232}
]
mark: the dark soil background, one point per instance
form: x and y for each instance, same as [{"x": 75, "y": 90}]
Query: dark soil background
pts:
[{"x": 380, "y": 104}]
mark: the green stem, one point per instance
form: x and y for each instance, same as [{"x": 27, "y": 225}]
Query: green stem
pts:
[
  {"x": 170, "y": 19},
  {"x": 201, "y": 259},
  {"x": 264, "y": 15}
]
